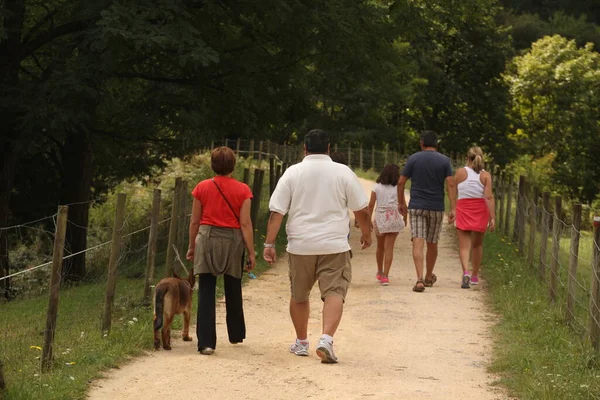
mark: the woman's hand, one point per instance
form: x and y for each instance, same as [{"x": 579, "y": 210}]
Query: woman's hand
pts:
[
  {"x": 492, "y": 224},
  {"x": 251, "y": 263},
  {"x": 190, "y": 254}
]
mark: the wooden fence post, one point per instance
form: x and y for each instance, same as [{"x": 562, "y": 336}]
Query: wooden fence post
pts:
[
  {"x": 360, "y": 161},
  {"x": 595, "y": 295},
  {"x": 152, "y": 236},
  {"x": 181, "y": 223},
  {"x": 251, "y": 152},
  {"x": 272, "y": 177},
  {"x": 556, "y": 235},
  {"x": 519, "y": 228},
  {"x": 260, "y": 153},
  {"x": 284, "y": 158},
  {"x": 386, "y": 154},
  {"x": 373, "y": 158},
  {"x": 532, "y": 206},
  {"x": 173, "y": 227},
  {"x": 57, "y": 261},
  {"x": 284, "y": 167},
  {"x": 509, "y": 197},
  {"x": 277, "y": 174},
  {"x": 573, "y": 263},
  {"x": 237, "y": 147},
  {"x": 212, "y": 145},
  {"x": 545, "y": 226},
  {"x": 256, "y": 192},
  {"x": 247, "y": 176},
  {"x": 501, "y": 196},
  {"x": 300, "y": 152},
  {"x": 115, "y": 250},
  {"x": 335, "y": 148},
  {"x": 2, "y": 380},
  {"x": 269, "y": 155},
  {"x": 350, "y": 155}
]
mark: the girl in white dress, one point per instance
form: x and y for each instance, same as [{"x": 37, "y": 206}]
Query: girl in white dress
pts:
[{"x": 388, "y": 222}]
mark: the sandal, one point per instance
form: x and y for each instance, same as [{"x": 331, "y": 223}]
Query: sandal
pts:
[
  {"x": 418, "y": 288},
  {"x": 430, "y": 282}
]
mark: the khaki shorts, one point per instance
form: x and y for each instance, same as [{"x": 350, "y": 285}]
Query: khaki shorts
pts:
[
  {"x": 426, "y": 224},
  {"x": 332, "y": 271}
]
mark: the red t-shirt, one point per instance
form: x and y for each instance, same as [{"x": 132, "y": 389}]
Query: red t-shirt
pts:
[{"x": 215, "y": 210}]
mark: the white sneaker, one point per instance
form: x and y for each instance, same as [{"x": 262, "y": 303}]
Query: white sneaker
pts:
[
  {"x": 325, "y": 352},
  {"x": 207, "y": 351},
  {"x": 299, "y": 348}
]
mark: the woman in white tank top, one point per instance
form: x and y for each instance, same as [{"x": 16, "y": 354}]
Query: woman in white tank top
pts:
[
  {"x": 475, "y": 213},
  {"x": 388, "y": 221}
]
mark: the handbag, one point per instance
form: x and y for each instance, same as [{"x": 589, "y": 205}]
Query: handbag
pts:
[{"x": 236, "y": 217}]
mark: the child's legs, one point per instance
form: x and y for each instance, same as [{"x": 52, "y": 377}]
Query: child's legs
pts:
[
  {"x": 464, "y": 248},
  {"x": 389, "y": 241},
  {"x": 477, "y": 255},
  {"x": 380, "y": 251}
]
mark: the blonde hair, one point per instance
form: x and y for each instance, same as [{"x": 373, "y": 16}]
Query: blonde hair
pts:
[{"x": 475, "y": 156}]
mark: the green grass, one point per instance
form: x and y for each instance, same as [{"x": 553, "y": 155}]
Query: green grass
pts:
[
  {"x": 536, "y": 355},
  {"x": 81, "y": 353},
  {"x": 368, "y": 174}
]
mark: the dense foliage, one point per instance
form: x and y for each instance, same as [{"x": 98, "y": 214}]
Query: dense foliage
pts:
[{"x": 92, "y": 93}]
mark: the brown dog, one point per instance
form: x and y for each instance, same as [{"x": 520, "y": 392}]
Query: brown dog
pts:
[{"x": 172, "y": 296}]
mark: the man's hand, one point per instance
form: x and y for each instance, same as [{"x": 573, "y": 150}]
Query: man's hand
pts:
[
  {"x": 402, "y": 208},
  {"x": 270, "y": 255},
  {"x": 452, "y": 216},
  {"x": 366, "y": 240}
]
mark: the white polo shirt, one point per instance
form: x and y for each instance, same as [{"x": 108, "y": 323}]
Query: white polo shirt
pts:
[{"x": 317, "y": 194}]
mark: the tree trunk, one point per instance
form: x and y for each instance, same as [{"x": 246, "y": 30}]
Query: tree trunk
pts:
[
  {"x": 14, "y": 12},
  {"x": 7, "y": 174},
  {"x": 76, "y": 182}
]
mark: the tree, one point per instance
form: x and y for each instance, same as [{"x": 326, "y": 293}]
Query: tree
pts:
[
  {"x": 123, "y": 85},
  {"x": 556, "y": 109},
  {"x": 461, "y": 52}
]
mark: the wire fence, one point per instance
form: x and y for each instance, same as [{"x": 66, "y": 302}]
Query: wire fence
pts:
[
  {"x": 561, "y": 254},
  {"x": 79, "y": 333}
]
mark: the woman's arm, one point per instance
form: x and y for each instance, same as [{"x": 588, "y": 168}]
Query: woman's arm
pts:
[
  {"x": 194, "y": 227},
  {"x": 247, "y": 232},
  {"x": 489, "y": 198}
]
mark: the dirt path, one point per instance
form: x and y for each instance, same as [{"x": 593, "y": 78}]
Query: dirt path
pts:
[{"x": 392, "y": 343}]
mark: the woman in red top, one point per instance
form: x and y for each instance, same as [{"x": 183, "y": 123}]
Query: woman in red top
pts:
[{"x": 220, "y": 228}]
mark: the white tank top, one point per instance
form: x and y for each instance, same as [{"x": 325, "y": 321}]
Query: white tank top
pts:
[{"x": 471, "y": 188}]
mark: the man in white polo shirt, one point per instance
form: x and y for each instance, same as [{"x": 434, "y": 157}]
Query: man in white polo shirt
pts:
[{"x": 317, "y": 195}]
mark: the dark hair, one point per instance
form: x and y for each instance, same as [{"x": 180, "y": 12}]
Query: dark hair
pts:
[
  {"x": 390, "y": 175},
  {"x": 429, "y": 139},
  {"x": 222, "y": 160},
  {"x": 339, "y": 158},
  {"x": 316, "y": 141}
]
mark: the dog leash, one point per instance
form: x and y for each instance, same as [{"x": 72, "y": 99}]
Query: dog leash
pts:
[{"x": 179, "y": 259}]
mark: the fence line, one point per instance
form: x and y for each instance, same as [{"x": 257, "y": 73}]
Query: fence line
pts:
[
  {"x": 129, "y": 259},
  {"x": 560, "y": 254}
]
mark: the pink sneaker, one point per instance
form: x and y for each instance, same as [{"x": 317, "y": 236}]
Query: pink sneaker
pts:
[
  {"x": 385, "y": 281},
  {"x": 378, "y": 276},
  {"x": 474, "y": 280}
]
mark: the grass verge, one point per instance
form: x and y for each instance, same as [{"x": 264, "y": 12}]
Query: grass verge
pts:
[{"x": 536, "y": 355}]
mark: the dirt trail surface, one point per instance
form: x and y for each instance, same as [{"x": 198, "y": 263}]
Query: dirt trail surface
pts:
[{"x": 392, "y": 343}]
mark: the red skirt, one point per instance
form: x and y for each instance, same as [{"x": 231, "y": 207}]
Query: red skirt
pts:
[{"x": 472, "y": 215}]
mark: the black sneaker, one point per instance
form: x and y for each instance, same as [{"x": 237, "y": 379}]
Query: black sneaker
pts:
[{"x": 466, "y": 279}]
